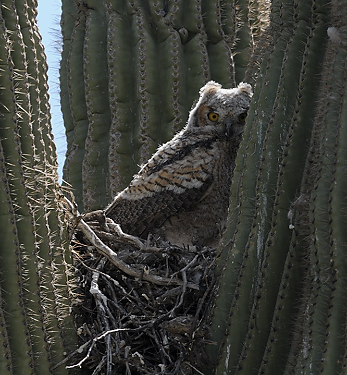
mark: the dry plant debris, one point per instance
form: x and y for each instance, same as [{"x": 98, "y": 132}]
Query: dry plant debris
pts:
[{"x": 142, "y": 305}]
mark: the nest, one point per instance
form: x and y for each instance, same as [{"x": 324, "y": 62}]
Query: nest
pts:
[{"x": 143, "y": 304}]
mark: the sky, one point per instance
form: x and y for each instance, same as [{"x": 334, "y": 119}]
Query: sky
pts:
[{"x": 49, "y": 12}]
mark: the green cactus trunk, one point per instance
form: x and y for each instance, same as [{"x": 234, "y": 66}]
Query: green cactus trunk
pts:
[
  {"x": 280, "y": 306},
  {"x": 129, "y": 75},
  {"x": 35, "y": 325}
]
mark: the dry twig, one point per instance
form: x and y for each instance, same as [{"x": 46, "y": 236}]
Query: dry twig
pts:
[{"x": 143, "y": 303}]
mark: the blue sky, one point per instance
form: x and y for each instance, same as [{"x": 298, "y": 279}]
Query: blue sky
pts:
[{"x": 48, "y": 20}]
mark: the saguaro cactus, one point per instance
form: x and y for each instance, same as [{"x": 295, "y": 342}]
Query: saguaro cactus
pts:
[
  {"x": 34, "y": 319},
  {"x": 130, "y": 72},
  {"x": 280, "y": 306}
]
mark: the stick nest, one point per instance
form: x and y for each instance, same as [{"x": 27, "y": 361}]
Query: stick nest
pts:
[{"x": 142, "y": 305}]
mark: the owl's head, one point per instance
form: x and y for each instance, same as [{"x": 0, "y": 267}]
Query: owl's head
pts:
[{"x": 222, "y": 111}]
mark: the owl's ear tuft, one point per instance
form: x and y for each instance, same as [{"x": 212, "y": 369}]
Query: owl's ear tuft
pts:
[
  {"x": 245, "y": 88},
  {"x": 210, "y": 88}
]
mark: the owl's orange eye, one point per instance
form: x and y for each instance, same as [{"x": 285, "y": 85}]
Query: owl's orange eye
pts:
[
  {"x": 242, "y": 116},
  {"x": 213, "y": 116}
]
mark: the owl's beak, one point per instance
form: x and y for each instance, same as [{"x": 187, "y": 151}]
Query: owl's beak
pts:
[{"x": 228, "y": 123}]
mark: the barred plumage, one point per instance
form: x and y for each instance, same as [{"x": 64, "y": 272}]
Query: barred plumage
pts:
[{"x": 182, "y": 193}]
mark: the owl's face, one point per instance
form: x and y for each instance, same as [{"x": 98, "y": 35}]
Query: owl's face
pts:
[{"x": 221, "y": 111}]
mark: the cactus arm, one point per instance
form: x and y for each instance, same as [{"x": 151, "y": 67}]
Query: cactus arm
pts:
[
  {"x": 301, "y": 357},
  {"x": 335, "y": 343},
  {"x": 31, "y": 216},
  {"x": 321, "y": 247},
  {"x": 266, "y": 235},
  {"x": 22, "y": 82},
  {"x": 17, "y": 330},
  {"x": 33, "y": 41},
  {"x": 228, "y": 19},
  {"x": 195, "y": 67},
  {"x": 151, "y": 112},
  {"x": 247, "y": 22},
  {"x": 218, "y": 44},
  {"x": 340, "y": 194},
  {"x": 175, "y": 108},
  {"x": 37, "y": 71},
  {"x": 76, "y": 93},
  {"x": 169, "y": 58},
  {"x": 67, "y": 22},
  {"x": 273, "y": 273},
  {"x": 244, "y": 40},
  {"x": 95, "y": 162},
  {"x": 122, "y": 93},
  {"x": 31, "y": 300},
  {"x": 322, "y": 347},
  {"x": 48, "y": 266},
  {"x": 212, "y": 13},
  {"x": 295, "y": 265},
  {"x": 332, "y": 203},
  {"x": 14, "y": 240},
  {"x": 240, "y": 238}
]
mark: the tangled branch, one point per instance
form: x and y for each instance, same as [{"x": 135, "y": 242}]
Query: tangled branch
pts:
[{"x": 143, "y": 302}]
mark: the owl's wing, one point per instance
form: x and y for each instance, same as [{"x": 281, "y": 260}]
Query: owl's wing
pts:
[{"x": 173, "y": 180}]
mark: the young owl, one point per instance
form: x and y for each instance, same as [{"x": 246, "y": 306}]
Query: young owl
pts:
[{"x": 182, "y": 193}]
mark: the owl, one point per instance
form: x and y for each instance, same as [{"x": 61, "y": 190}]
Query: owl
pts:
[{"x": 182, "y": 193}]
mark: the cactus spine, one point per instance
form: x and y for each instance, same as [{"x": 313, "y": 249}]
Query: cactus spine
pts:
[{"x": 35, "y": 325}]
